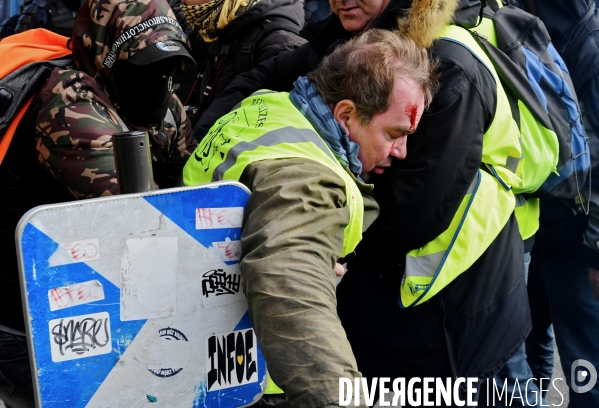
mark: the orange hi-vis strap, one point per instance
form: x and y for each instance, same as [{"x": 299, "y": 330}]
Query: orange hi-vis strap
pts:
[{"x": 22, "y": 49}]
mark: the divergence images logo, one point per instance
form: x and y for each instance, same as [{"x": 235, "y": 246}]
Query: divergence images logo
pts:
[{"x": 580, "y": 376}]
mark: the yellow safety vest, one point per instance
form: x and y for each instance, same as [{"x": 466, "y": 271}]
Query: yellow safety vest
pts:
[
  {"x": 267, "y": 126},
  {"x": 483, "y": 212}
]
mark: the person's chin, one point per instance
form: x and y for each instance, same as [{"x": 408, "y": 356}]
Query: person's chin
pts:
[{"x": 351, "y": 22}]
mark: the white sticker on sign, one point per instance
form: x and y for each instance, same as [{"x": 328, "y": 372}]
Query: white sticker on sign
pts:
[
  {"x": 232, "y": 359},
  {"x": 227, "y": 250},
  {"x": 149, "y": 278},
  {"x": 221, "y": 286},
  {"x": 165, "y": 354},
  {"x": 74, "y": 252},
  {"x": 213, "y": 218},
  {"x": 80, "y": 336},
  {"x": 76, "y": 294}
]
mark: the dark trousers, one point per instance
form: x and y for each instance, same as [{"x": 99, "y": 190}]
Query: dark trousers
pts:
[
  {"x": 560, "y": 294},
  {"x": 16, "y": 387}
]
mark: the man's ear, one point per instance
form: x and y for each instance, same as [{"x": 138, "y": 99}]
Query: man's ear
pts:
[{"x": 343, "y": 112}]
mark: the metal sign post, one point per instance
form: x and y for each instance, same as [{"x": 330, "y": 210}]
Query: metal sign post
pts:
[
  {"x": 133, "y": 161},
  {"x": 137, "y": 300}
]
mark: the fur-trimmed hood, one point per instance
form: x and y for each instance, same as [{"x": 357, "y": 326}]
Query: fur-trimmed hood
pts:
[{"x": 424, "y": 19}]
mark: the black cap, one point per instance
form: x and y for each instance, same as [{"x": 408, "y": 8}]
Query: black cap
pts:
[{"x": 159, "y": 51}]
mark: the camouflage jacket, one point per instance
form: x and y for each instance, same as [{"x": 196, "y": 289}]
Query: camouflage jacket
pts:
[
  {"x": 78, "y": 116},
  {"x": 74, "y": 130}
]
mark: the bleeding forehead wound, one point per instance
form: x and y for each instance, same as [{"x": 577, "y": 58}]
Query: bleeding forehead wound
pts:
[{"x": 412, "y": 111}]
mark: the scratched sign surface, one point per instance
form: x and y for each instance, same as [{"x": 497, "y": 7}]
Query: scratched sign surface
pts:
[{"x": 137, "y": 300}]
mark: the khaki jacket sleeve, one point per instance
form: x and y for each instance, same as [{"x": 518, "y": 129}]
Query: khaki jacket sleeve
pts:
[{"x": 291, "y": 239}]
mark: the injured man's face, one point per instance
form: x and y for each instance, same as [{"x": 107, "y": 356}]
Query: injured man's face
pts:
[{"x": 384, "y": 136}]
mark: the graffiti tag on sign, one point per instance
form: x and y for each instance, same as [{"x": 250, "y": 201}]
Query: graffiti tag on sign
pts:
[
  {"x": 222, "y": 286},
  {"x": 76, "y": 294},
  {"x": 214, "y": 218},
  {"x": 232, "y": 359},
  {"x": 74, "y": 252},
  {"x": 80, "y": 336}
]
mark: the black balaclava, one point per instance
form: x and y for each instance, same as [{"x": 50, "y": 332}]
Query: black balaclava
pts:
[{"x": 144, "y": 90}]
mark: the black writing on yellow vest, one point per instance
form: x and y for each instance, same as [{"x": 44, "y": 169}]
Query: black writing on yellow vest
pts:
[{"x": 262, "y": 111}]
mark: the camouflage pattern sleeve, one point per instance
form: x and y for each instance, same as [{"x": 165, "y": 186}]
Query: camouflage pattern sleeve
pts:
[
  {"x": 74, "y": 137},
  {"x": 74, "y": 130}
]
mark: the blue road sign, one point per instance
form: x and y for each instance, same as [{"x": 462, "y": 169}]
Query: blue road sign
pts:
[{"x": 137, "y": 300}]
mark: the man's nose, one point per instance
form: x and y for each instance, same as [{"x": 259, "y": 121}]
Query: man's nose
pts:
[{"x": 399, "y": 148}]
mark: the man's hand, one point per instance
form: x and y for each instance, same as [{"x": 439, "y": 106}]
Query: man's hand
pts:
[
  {"x": 594, "y": 281},
  {"x": 340, "y": 270}
]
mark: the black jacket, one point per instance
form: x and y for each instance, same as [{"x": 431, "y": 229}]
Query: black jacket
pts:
[
  {"x": 475, "y": 324},
  {"x": 219, "y": 70},
  {"x": 23, "y": 185},
  {"x": 573, "y": 28}
]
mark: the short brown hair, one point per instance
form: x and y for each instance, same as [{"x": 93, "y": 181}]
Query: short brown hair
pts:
[{"x": 364, "y": 70}]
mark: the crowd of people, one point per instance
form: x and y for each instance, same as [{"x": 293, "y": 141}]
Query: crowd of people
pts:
[{"x": 388, "y": 147}]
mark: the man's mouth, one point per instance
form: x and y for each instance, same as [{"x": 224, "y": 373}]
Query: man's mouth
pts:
[
  {"x": 379, "y": 170},
  {"x": 348, "y": 10}
]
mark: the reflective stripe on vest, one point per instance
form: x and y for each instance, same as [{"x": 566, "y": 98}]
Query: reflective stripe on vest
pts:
[
  {"x": 267, "y": 126},
  {"x": 483, "y": 213},
  {"x": 484, "y": 210}
]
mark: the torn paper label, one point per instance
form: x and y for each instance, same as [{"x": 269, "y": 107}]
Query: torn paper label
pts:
[
  {"x": 149, "y": 278},
  {"x": 214, "y": 218},
  {"x": 75, "y": 294}
]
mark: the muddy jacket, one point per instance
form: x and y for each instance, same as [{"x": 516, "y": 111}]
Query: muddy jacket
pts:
[
  {"x": 78, "y": 114},
  {"x": 419, "y": 197},
  {"x": 306, "y": 210}
]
